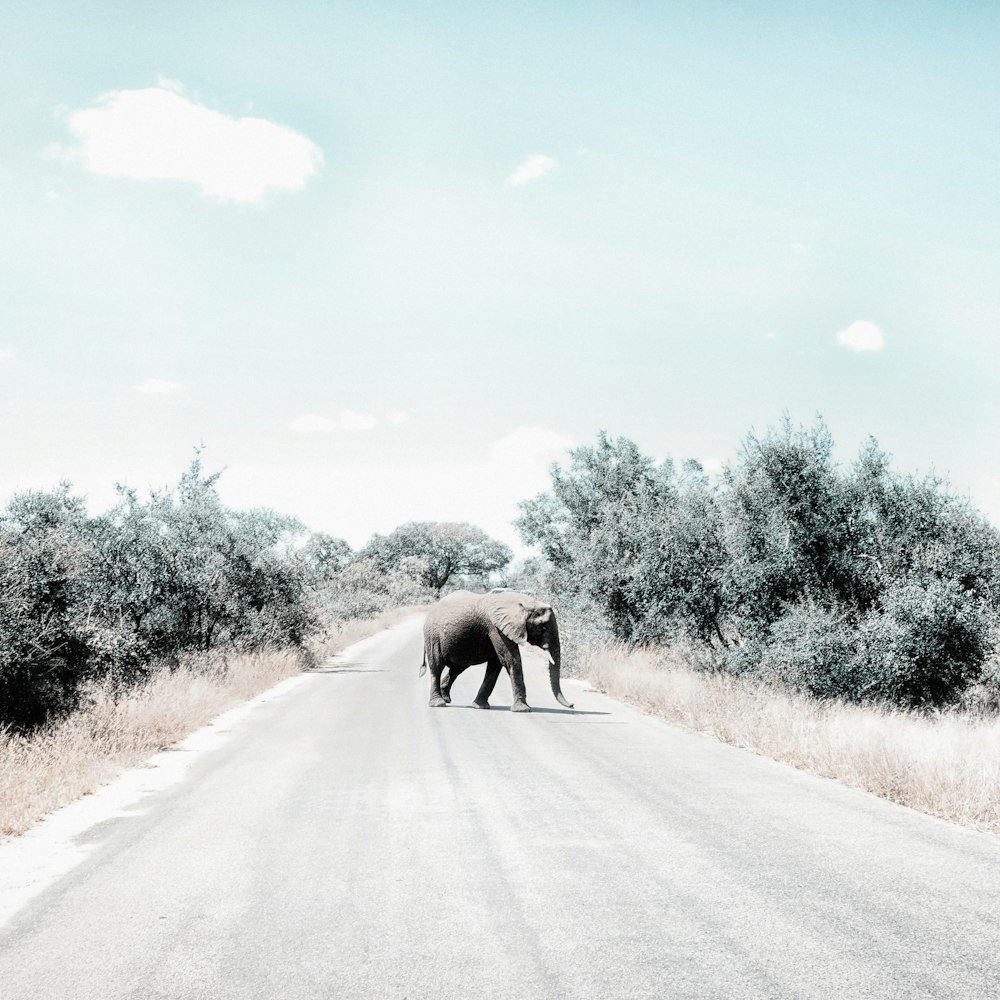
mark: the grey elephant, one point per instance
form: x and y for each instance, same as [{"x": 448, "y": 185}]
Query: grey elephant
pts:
[{"x": 464, "y": 629}]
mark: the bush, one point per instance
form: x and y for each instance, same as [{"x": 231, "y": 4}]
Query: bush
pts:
[
  {"x": 107, "y": 597},
  {"x": 854, "y": 583},
  {"x": 44, "y": 623},
  {"x": 811, "y": 649},
  {"x": 362, "y": 590},
  {"x": 924, "y": 646},
  {"x": 639, "y": 542}
]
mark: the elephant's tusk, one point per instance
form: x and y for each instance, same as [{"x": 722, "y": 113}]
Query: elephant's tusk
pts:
[{"x": 543, "y": 650}]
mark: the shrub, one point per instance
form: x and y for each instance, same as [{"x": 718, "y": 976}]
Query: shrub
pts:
[
  {"x": 642, "y": 543},
  {"x": 44, "y": 625},
  {"x": 855, "y": 583},
  {"x": 150, "y": 580},
  {"x": 812, "y": 649},
  {"x": 362, "y": 590},
  {"x": 925, "y": 645}
]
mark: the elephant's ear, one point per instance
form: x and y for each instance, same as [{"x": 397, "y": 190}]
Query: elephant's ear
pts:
[{"x": 509, "y": 613}]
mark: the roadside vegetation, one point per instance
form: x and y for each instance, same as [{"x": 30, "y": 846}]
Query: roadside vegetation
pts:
[
  {"x": 840, "y": 618},
  {"x": 121, "y": 633},
  {"x": 943, "y": 763}
]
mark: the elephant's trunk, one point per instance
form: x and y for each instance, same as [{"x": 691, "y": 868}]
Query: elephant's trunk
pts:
[{"x": 555, "y": 656}]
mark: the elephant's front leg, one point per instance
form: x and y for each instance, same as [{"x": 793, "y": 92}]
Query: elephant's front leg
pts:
[
  {"x": 510, "y": 658},
  {"x": 489, "y": 683},
  {"x": 520, "y": 703}
]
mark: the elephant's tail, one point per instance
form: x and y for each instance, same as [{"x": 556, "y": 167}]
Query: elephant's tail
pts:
[{"x": 423, "y": 666}]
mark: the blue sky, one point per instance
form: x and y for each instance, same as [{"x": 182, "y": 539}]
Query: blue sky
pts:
[{"x": 388, "y": 261}]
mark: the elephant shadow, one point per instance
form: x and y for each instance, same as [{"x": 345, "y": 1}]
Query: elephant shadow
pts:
[
  {"x": 356, "y": 667},
  {"x": 575, "y": 712}
]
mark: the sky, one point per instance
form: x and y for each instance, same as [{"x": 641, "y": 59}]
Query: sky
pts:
[{"x": 385, "y": 262}]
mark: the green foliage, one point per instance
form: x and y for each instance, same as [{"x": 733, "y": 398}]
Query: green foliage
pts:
[
  {"x": 183, "y": 572},
  {"x": 641, "y": 542},
  {"x": 859, "y": 584},
  {"x": 437, "y": 553},
  {"x": 44, "y": 547},
  {"x": 323, "y": 558},
  {"x": 362, "y": 590},
  {"x": 924, "y": 644},
  {"x": 149, "y": 580}
]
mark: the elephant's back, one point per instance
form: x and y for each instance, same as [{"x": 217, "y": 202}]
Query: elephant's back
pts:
[{"x": 460, "y": 629}]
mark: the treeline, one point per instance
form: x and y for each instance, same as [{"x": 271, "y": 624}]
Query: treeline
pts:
[
  {"x": 850, "y": 582},
  {"x": 152, "y": 580},
  {"x": 857, "y": 583},
  {"x": 412, "y": 565}
]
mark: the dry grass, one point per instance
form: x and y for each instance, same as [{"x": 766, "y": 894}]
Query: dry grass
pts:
[
  {"x": 114, "y": 730},
  {"x": 946, "y": 765}
]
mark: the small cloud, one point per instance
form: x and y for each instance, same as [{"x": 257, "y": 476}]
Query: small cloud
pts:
[
  {"x": 397, "y": 417},
  {"x": 861, "y": 335},
  {"x": 158, "y": 387},
  {"x": 158, "y": 134},
  {"x": 712, "y": 465},
  {"x": 798, "y": 249},
  {"x": 351, "y": 421},
  {"x": 532, "y": 169},
  {"x": 311, "y": 423},
  {"x": 6, "y": 353}
]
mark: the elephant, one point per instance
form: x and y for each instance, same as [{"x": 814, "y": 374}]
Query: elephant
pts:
[{"x": 464, "y": 629}]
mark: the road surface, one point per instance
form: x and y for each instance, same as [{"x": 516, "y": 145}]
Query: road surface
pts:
[{"x": 348, "y": 841}]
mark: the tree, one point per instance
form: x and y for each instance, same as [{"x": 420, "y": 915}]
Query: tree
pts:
[
  {"x": 183, "y": 572},
  {"x": 437, "y": 553},
  {"x": 859, "y": 583},
  {"x": 323, "y": 557},
  {"x": 785, "y": 510},
  {"x": 44, "y": 653},
  {"x": 641, "y": 541}
]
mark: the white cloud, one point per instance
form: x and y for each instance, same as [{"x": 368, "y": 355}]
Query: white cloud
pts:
[
  {"x": 798, "y": 249},
  {"x": 533, "y": 167},
  {"x": 6, "y": 353},
  {"x": 158, "y": 387},
  {"x": 397, "y": 417},
  {"x": 861, "y": 335},
  {"x": 157, "y": 134},
  {"x": 348, "y": 420}
]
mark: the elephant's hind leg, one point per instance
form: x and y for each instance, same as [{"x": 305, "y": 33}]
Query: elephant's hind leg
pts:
[
  {"x": 435, "y": 663},
  {"x": 450, "y": 675}
]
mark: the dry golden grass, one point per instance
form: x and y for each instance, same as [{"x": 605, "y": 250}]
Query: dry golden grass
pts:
[
  {"x": 946, "y": 765},
  {"x": 113, "y": 730}
]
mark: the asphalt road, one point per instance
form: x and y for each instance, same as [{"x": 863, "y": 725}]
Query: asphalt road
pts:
[{"x": 349, "y": 841}]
